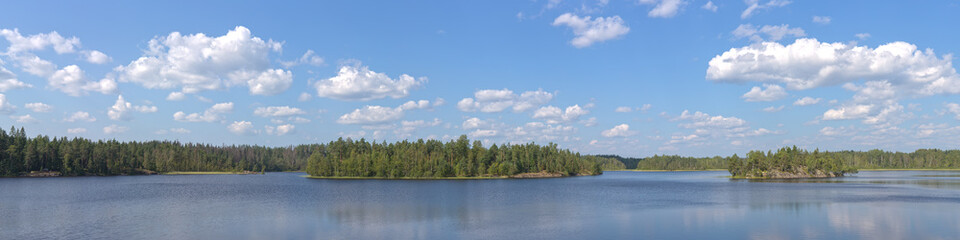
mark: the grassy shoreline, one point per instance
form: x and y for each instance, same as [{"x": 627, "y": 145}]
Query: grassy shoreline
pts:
[{"x": 405, "y": 178}]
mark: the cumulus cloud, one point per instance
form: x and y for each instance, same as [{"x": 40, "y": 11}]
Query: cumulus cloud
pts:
[
  {"x": 176, "y": 96},
  {"x": 709, "y": 6},
  {"x": 38, "y": 107},
  {"x": 8, "y": 81},
  {"x": 806, "y": 101},
  {"x": 554, "y": 115},
  {"x": 114, "y": 129},
  {"x": 473, "y": 123},
  {"x": 769, "y": 93},
  {"x": 97, "y": 57},
  {"x": 304, "y": 97},
  {"x": 212, "y": 114},
  {"x": 241, "y": 128},
  {"x": 703, "y": 120},
  {"x": 667, "y": 8},
  {"x": 5, "y": 106},
  {"x": 588, "y": 30},
  {"x": 121, "y": 109},
  {"x": 493, "y": 100},
  {"x": 622, "y": 130},
  {"x": 280, "y": 130},
  {"x": 20, "y": 43},
  {"x": 80, "y": 116},
  {"x": 277, "y": 111},
  {"x": 73, "y": 81},
  {"x": 772, "y": 32},
  {"x": 378, "y": 115},
  {"x": 754, "y": 5},
  {"x": 359, "y": 83},
  {"x": 623, "y": 109},
  {"x": 808, "y": 63},
  {"x": 198, "y": 62}
]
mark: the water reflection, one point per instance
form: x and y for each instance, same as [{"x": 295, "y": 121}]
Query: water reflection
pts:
[{"x": 617, "y": 205}]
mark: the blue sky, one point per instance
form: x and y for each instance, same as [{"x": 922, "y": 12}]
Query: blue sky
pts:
[{"x": 634, "y": 78}]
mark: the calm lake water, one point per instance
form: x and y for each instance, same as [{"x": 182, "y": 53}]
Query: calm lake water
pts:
[{"x": 616, "y": 205}]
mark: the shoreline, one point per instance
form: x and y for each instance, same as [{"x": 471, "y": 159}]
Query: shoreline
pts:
[
  {"x": 210, "y": 173},
  {"x": 678, "y": 170}
]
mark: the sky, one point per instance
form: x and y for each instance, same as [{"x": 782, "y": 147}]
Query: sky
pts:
[{"x": 634, "y": 78}]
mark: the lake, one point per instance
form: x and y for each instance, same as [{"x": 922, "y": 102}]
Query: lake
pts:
[{"x": 615, "y": 205}]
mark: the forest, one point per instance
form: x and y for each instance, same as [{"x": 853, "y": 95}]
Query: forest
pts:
[
  {"x": 788, "y": 163},
  {"x": 425, "y": 158},
  {"x": 457, "y": 158},
  {"x": 873, "y": 159}
]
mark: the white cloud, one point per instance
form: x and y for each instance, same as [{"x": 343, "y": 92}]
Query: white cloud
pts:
[
  {"x": 666, "y": 8},
  {"x": 773, "y": 108},
  {"x": 492, "y": 100},
  {"x": 479, "y": 133},
  {"x": 754, "y": 5},
  {"x": 772, "y": 32},
  {"x": 839, "y": 131},
  {"x": 771, "y": 92},
  {"x": 709, "y": 6},
  {"x": 622, "y": 130},
  {"x": 270, "y": 82},
  {"x": 76, "y": 130},
  {"x": 862, "y": 36},
  {"x": 280, "y": 130},
  {"x": 589, "y": 31},
  {"x": 5, "y": 106},
  {"x": 34, "y": 65},
  {"x": 954, "y": 109},
  {"x": 73, "y": 81},
  {"x": 114, "y": 129},
  {"x": 277, "y": 111},
  {"x": 304, "y": 97},
  {"x": 38, "y": 107},
  {"x": 121, "y": 109},
  {"x": 645, "y": 107},
  {"x": 623, "y": 109},
  {"x": 408, "y": 127},
  {"x": 555, "y": 115},
  {"x": 240, "y": 127},
  {"x": 97, "y": 57},
  {"x": 80, "y": 116},
  {"x": 8, "y": 81},
  {"x": 808, "y": 63},
  {"x": 371, "y": 115},
  {"x": 176, "y": 96},
  {"x": 173, "y": 130},
  {"x": 19, "y": 43},
  {"x": 212, "y": 114},
  {"x": 848, "y": 112},
  {"x": 703, "y": 120},
  {"x": 473, "y": 123},
  {"x": 821, "y": 19},
  {"x": 806, "y": 101},
  {"x": 198, "y": 62},
  {"x": 359, "y": 83},
  {"x": 24, "y": 119},
  {"x": 309, "y": 58}
]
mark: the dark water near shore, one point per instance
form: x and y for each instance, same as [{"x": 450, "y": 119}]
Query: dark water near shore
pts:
[{"x": 616, "y": 205}]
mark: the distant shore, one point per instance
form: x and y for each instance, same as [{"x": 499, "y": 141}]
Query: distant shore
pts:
[
  {"x": 211, "y": 173},
  {"x": 516, "y": 176}
]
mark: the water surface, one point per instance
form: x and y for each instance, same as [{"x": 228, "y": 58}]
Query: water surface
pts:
[{"x": 616, "y": 205}]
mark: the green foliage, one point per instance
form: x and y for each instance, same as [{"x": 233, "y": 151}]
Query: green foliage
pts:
[
  {"x": 790, "y": 161},
  {"x": 606, "y": 163},
  {"x": 434, "y": 159},
  {"x": 78, "y": 156},
  {"x": 680, "y": 163}
]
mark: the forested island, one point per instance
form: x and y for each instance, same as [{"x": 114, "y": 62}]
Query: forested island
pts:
[
  {"x": 787, "y": 163},
  {"x": 45, "y": 156}
]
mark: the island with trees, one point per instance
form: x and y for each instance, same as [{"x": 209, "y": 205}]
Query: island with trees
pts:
[{"x": 787, "y": 163}]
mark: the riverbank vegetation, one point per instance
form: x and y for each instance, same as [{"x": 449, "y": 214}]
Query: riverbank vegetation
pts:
[{"x": 436, "y": 159}]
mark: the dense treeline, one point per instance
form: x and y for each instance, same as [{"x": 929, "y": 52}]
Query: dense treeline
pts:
[
  {"x": 673, "y": 162},
  {"x": 788, "y": 162},
  {"x": 434, "y": 159},
  {"x": 628, "y": 162},
  {"x": 74, "y": 157},
  {"x": 607, "y": 163}
]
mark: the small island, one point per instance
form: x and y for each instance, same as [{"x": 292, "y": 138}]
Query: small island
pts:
[{"x": 787, "y": 163}]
